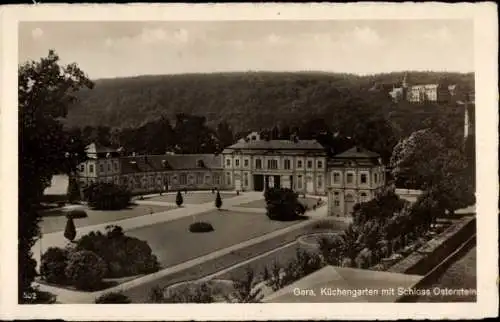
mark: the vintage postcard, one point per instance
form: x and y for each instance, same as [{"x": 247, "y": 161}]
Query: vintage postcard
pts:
[{"x": 249, "y": 161}]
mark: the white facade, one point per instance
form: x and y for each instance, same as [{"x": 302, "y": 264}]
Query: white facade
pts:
[
  {"x": 302, "y": 170},
  {"x": 353, "y": 180}
]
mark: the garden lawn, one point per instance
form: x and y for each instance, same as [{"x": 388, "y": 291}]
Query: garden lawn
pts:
[
  {"x": 192, "y": 198},
  {"x": 140, "y": 293},
  {"x": 56, "y": 221},
  {"x": 173, "y": 243},
  {"x": 309, "y": 202}
]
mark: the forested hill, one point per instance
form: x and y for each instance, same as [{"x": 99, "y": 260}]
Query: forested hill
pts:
[{"x": 247, "y": 101}]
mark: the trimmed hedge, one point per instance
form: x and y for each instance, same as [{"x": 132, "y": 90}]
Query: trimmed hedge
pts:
[
  {"x": 76, "y": 213},
  {"x": 201, "y": 227}
]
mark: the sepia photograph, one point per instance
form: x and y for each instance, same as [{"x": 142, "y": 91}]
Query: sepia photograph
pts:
[{"x": 241, "y": 161}]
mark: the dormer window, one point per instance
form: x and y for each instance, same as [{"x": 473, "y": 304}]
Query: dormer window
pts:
[{"x": 200, "y": 164}]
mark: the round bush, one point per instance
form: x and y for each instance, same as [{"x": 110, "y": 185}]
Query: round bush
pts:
[
  {"x": 124, "y": 255},
  {"x": 200, "y": 227},
  {"x": 113, "y": 298},
  {"x": 85, "y": 270},
  {"x": 54, "y": 262}
]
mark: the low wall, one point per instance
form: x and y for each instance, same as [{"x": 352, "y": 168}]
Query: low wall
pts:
[
  {"x": 437, "y": 271},
  {"x": 427, "y": 257}
]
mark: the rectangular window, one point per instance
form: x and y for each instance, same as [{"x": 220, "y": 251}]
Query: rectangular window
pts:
[
  {"x": 258, "y": 164},
  {"x": 336, "y": 177},
  {"x": 349, "y": 178},
  {"x": 245, "y": 179},
  {"x": 245, "y": 163},
  {"x": 228, "y": 178},
  {"x": 309, "y": 164},
  {"x": 320, "y": 164},
  {"x": 199, "y": 178},
  {"x": 237, "y": 162},
  {"x": 109, "y": 166},
  {"x": 375, "y": 177},
  {"x": 337, "y": 203},
  {"x": 363, "y": 178},
  {"x": 82, "y": 167},
  {"x": 299, "y": 164},
  {"x": 91, "y": 168},
  {"x": 320, "y": 182},
  {"x": 207, "y": 179},
  {"x": 336, "y": 193},
  {"x": 228, "y": 162},
  {"x": 183, "y": 179},
  {"x": 286, "y": 164},
  {"x": 101, "y": 168},
  {"x": 216, "y": 179},
  {"x": 272, "y": 164},
  {"x": 115, "y": 165},
  {"x": 299, "y": 182}
]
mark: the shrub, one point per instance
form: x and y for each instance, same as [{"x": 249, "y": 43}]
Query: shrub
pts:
[
  {"x": 244, "y": 290},
  {"x": 113, "y": 298},
  {"x": 178, "y": 199},
  {"x": 124, "y": 255},
  {"x": 70, "y": 230},
  {"x": 218, "y": 201},
  {"x": 283, "y": 204},
  {"x": 53, "y": 265},
  {"x": 200, "y": 227},
  {"x": 107, "y": 196},
  {"x": 331, "y": 250},
  {"x": 85, "y": 270}
]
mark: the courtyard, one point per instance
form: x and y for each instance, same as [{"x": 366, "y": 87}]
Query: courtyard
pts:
[{"x": 55, "y": 220}]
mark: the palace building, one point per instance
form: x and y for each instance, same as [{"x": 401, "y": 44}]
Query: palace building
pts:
[
  {"x": 152, "y": 173},
  {"x": 354, "y": 176},
  {"x": 254, "y": 164}
]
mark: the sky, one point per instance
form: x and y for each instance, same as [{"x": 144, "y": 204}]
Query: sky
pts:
[{"x": 121, "y": 49}]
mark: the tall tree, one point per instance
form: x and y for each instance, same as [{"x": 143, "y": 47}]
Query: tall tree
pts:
[
  {"x": 410, "y": 161},
  {"x": 45, "y": 91},
  {"x": 424, "y": 161}
]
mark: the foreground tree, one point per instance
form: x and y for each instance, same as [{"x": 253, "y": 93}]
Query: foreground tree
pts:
[{"x": 45, "y": 91}]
